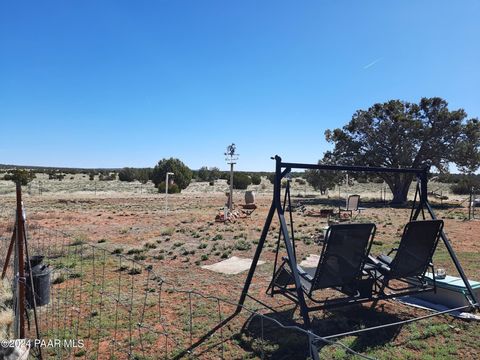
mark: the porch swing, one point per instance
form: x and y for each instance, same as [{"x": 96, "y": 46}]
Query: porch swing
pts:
[{"x": 345, "y": 262}]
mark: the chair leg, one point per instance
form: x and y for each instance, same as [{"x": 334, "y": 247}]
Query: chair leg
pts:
[
  {"x": 356, "y": 215},
  {"x": 375, "y": 301}
]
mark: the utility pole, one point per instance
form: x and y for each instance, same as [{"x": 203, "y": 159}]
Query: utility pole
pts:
[{"x": 230, "y": 158}]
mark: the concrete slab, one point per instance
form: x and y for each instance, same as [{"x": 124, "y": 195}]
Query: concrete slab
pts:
[
  {"x": 231, "y": 266},
  {"x": 310, "y": 262}
]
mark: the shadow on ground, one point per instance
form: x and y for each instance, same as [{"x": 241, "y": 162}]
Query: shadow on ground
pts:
[{"x": 281, "y": 343}]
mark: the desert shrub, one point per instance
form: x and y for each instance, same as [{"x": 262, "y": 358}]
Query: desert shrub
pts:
[
  {"x": 465, "y": 185},
  {"x": 240, "y": 181},
  {"x": 271, "y": 177},
  {"x": 376, "y": 179},
  {"x": 52, "y": 175},
  {"x": 449, "y": 178},
  {"x": 20, "y": 175},
  {"x": 206, "y": 174},
  {"x": 214, "y": 173},
  {"x": 183, "y": 175},
  {"x": 167, "y": 231},
  {"x": 172, "y": 188},
  {"x": 323, "y": 179},
  {"x": 242, "y": 245},
  {"x": 107, "y": 177},
  {"x": 135, "y": 271},
  {"x": 256, "y": 179},
  {"x": 203, "y": 174},
  {"x": 143, "y": 175},
  {"x": 300, "y": 181},
  {"x": 134, "y": 251},
  {"x": 126, "y": 174}
]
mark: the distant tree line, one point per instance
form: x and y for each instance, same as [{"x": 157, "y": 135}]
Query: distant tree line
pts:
[{"x": 179, "y": 181}]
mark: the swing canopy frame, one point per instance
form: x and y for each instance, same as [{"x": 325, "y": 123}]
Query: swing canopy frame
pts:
[{"x": 420, "y": 206}]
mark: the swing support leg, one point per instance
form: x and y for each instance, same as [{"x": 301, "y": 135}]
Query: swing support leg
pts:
[
  {"x": 276, "y": 206},
  {"x": 424, "y": 203},
  {"x": 256, "y": 257}
]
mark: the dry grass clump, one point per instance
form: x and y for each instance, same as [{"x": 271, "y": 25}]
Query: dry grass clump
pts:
[{"x": 6, "y": 314}]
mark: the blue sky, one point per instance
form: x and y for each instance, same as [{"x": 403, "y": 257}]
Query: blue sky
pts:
[{"x": 126, "y": 83}]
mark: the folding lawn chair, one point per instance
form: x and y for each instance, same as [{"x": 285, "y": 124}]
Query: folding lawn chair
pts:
[{"x": 351, "y": 205}]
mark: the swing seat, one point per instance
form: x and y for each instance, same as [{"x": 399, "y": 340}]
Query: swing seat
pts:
[
  {"x": 344, "y": 253},
  {"x": 412, "y": 258}
]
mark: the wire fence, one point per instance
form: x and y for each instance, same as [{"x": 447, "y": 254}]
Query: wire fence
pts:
[{"x": 106, "y": 305}]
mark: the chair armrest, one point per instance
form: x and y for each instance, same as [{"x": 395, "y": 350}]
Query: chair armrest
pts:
[
  {"x": 372, "y": 261},
  {"x": 387, "y": 260},
  {"x": 377, "y": 264},
  {"x": 391, "y": 251},
  {"x": 301, "y": 272},
  {"x": 304, "y": 274}
]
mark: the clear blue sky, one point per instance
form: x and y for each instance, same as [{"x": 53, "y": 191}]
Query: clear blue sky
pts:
[{"x": 126, "y": 83}]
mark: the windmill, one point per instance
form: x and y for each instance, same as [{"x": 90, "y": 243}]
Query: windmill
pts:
[{"x": 230, "y": 158}]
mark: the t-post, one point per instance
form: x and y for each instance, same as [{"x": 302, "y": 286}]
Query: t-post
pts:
[
  {"x": 20, "y": 264},
  {"x": 166, "y": 190}
]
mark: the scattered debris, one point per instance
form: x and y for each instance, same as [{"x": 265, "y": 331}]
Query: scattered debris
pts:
[{"x": 230, "y": 216}]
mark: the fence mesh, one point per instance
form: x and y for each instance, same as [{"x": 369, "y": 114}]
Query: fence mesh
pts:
[{"x": 106, "y": 305}]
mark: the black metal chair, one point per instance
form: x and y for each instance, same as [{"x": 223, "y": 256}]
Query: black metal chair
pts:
[
  {"x": 344, "y": 253},
  {"x": 412, "y": 258}
]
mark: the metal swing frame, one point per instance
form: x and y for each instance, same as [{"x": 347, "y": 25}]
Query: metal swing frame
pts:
[{"x": 420, "y": 205}]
